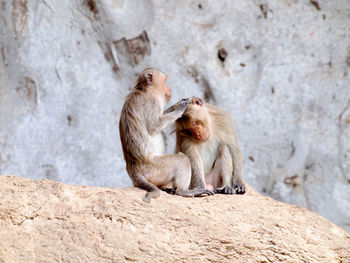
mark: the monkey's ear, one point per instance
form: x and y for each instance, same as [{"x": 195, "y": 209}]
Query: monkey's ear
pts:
[{"x": 149, "y": 79}]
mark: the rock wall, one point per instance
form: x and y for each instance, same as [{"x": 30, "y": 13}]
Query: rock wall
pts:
[
  {"x": 280, "y": 67},
  {"x": 46, "y": 221}
]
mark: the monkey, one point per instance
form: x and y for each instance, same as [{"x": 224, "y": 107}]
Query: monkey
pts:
[
  {"x": 141, "y": 122},
  {"x": 206, "y": 134}
]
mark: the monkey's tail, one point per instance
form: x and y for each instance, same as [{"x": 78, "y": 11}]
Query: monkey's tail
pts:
[
  {"x": 150, "y": 195},
  {"x": 152, "y": 190}
]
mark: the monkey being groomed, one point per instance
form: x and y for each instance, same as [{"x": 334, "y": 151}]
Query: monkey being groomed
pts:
[
  {"x": 206, "y": 134},
  {"x": 141, "y": 123}
]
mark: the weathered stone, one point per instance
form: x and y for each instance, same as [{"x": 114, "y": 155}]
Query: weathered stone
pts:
[{"x": 47, "y": 221}]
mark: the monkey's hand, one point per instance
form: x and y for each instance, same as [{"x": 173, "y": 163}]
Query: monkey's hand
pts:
[
  {"x": 239, "y": 187},
  {"x": 170, "y": 115},
  {"x": 184, "y": 101},
  {"x": 179, "y": 107}
]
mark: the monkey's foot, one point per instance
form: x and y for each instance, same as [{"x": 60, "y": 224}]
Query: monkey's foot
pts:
[
  {"x": 195, "y": 193},
  {"x": 239, "y": 188},
  {"x": 168, "y": 190},
  {"x": 227, "y": 190}
]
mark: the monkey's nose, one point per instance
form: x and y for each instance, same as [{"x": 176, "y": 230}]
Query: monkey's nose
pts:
[{"x": 197, "y": 101}]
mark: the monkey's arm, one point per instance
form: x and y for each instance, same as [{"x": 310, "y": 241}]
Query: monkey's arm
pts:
[
  {"x": 228, "y": 133},
  {"x": 237, "y": 172},
  {"x": 171, "y": 114},
  {"x": 198, "y": 177}
]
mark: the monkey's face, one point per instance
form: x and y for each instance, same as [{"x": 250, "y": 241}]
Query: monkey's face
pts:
[
  {"x": 161, "y": 86},
  {"x": 199, "y": 130},
  {"x": 194, "y": 124},
  {"x": 154, "y": 81}
]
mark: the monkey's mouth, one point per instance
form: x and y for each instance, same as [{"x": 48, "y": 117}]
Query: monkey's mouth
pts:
[
  {"x": 167, "y": 98},
  {"x": 194, "y": 136},
  {"x": 201, "y": 137}
]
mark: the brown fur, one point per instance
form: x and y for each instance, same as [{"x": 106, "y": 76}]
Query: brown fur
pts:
[
  {"x": 206, "y": 134},
  {"x": 142, "y": 120}
]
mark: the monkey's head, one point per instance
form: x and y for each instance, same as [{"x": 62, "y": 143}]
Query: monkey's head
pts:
[
  {"x": 194, "y": 123},
  {"x": 154, "y": 81}
]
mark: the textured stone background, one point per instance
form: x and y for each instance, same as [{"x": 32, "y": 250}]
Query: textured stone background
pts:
[{"x": 65, "y": 67}]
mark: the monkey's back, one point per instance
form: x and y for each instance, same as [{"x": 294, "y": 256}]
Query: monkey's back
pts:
[
  {"x": 224, "y": 123},
  {"x": 133, "y": 128}
]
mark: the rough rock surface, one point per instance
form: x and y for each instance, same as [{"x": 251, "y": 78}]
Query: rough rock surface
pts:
[
  {"x": 47, "y": 221},
  {"x": 282, "y": 68}
]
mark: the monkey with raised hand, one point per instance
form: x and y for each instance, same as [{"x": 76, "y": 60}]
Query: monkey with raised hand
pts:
[
  {"x": 141, "y": 122},
  {"x": 206, "y": 134}
]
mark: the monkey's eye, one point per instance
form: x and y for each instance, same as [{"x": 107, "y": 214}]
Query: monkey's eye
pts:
[{"x": 194, "y": 123}]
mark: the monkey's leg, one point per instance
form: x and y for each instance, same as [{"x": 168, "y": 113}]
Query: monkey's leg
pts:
[
  {"x": 182, "y": 180},
  {"x": 197, "y": 169},
  {"x": 176, "y": 168},
  {"x": 222, "y": 172}
]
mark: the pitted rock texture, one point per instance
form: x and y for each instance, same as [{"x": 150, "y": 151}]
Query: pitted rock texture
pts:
[
  {"x": 281, "y": 68},
  {"x": 47, "y": 221}
]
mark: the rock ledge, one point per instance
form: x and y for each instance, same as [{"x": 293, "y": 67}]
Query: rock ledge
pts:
[{"x": 47, "y": 221}]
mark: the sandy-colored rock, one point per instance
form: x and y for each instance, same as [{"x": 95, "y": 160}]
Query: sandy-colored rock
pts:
[
  {"x": 47, "y": 221},
  {"x": 66, "y": 66}
]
